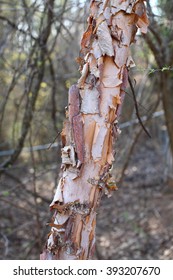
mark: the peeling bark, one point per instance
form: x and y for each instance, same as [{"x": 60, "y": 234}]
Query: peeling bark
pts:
[{"x": 94, "y": 106}]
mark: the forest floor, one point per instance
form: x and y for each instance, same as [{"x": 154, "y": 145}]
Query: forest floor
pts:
[{"x": 135, "y": 223}]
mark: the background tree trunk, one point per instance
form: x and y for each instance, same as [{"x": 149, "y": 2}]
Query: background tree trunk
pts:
[
  {"x": 91, "y": 125},
  {"x": 159, "y": 40},
  {"x": 167, "y": 99}
]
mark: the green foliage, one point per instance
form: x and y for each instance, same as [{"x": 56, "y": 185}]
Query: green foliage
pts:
[{"x": 5, "y": 193}]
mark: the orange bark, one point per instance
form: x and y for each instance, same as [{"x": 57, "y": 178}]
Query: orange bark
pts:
[{"x": 88, "y": 134}]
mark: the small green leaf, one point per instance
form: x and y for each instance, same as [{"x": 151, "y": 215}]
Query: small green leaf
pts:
[
  {"x": 151, "y": 71},
  {"x": 5, "y": 193},
  {"x": 165, "y": 68}
]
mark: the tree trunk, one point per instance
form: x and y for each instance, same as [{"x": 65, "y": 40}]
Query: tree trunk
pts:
[
  {"x": 159, "y": 41},
  {"x": 167, "y": 99},
  {"x": 91, "y": 126}
]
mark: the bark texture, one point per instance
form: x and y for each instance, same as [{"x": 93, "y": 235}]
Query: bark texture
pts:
[{"x": 91, "y": 126}]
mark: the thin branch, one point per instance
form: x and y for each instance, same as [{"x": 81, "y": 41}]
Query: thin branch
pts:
[
  {"x": 136, "y": 107},
  {"x": 155, "y": 50},
  {"x": 134, "y": 141},
  {"x": 14, "y": 25},
  {"x": 37, "y": 75}
]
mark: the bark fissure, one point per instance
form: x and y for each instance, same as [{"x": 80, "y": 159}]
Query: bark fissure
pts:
[{"x": 92, "y": 126}]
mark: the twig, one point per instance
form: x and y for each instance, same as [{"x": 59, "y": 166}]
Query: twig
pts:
[
  {"x": 136, "y": 107},
  {"x": 6, "y": 244},
  {"x": 54, "y": 140},
  {"x": 133, "y": 144}
]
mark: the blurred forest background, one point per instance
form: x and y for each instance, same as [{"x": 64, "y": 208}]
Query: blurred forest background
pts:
[{"x": 39, "y": 42}]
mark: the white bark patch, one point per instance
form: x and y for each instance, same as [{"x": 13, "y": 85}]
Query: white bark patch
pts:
[
  {"x": 96, "y": 51},
  {"x": 111, "y": 74},
  {"x": 105, "y": 39},
  {"x": 106, "y": 100},
  {"x": 74, "y": 188},
  {"x": 99, "y": 143},
  {"x": 107, "y": 14},
  {"x": 74, "y": 173},
  {"x": 61, "y": 219},
  {"x": 50, "y": 242},
  {"x": 58, "y": 194},
  {"x": 68, "y": 155},
  {"x": 111, "y": 82},
  {"x": 90, "y": 100},
  {"x": 121, "y": 55}
]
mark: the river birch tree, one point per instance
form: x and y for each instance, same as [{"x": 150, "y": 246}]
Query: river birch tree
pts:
[{"x": 91, "y": 126}]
